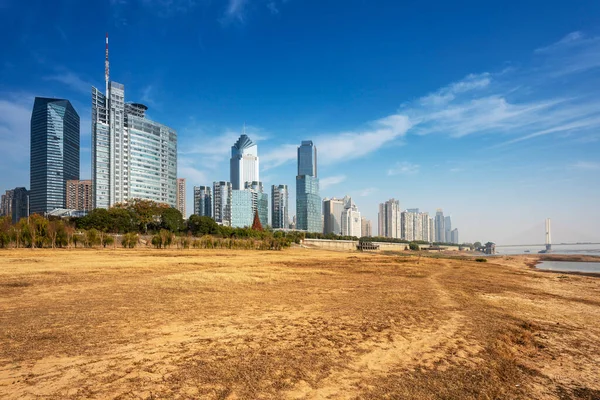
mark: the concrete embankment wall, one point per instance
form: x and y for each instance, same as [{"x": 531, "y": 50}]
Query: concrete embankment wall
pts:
[{"x": 351, "y": 245}]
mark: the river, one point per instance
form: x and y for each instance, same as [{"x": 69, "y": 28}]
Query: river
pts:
[{"x": 582, "y": 249}]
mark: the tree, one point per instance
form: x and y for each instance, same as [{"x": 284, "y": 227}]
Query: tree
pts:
[
  {"x": 38, "y": 226},
  {"x": 413, "y": 246},
  {"x": 121, "y": 220},
  {"x": 477, "y": 245},
  {"x": 171, "y": 219},
  {"x": 256, "y": 225},
  {"x": 203, "y": 225}
]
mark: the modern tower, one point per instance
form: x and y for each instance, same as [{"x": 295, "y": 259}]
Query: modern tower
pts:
[
  {"x": 390, "y": 222},
  {"x": 243, "y": 163},
  {"x": 203, "y": 201},
  {"x": 222, "y": 195},
  {"x": 279, "y": 206},
  {"x": 332, "y": 215},
  {"x": 181, "y": 196},
  {"x": 54, "y": 153},
  {"x": 351, "y": 223},
  {"x": 440, "y": 228},
  {"x": 366, "y": 227},
  {"x": 308, "y": 201},
  {"x": 132, "y": 156},
  {"x": 448, "y": 229}
]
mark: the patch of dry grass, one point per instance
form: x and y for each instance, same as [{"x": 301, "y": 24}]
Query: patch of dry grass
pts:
[{"x": 304, "y": 324}]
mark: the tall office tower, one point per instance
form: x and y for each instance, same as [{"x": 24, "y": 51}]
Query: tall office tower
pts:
[
  {"x": 54, "y": 153},
  {"x": 447, "y": 230},
  {"x": 440, "y": 231},
  {"x": 431, "y": 230},
  {"x": 424, "y": 224},
  {"x": 279, "y": 207},
  {"x": 260, "y": 201},
  {"x": 454, "y": 236},
  {"x": 222, "y": 202},
  {"x": 203, "y": 201},
  {"x": 243, "y": 163},
  {"x": 332, "y": 215},
  {"x": 132, "y": 156},
  {"x": 79, "y": 195},
  {"x": 181, "y": 196},
  {"x": 351, "y": 224},
  {"x": 308, "y": 201},
  {"x": 407, "y": 220},
  {"x": 242, "y": 208},
  {"x": 6, "y": 203},
  {"x": 366, "y": 228},
  {"x": 389, "y": 219},
  {"x": 15, "y": 204}
]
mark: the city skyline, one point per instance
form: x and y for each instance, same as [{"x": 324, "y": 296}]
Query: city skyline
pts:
[{"x": 503, "y": 138}]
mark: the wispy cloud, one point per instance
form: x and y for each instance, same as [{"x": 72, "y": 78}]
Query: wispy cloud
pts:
[
  {"x": 367, "y": 192},
  {"x": 15, "y": 115},
  {"x": 329, "y": 181},
  {"x": 235, "y": 11},
  {"x": 148, "y": 96},
  {"x": 574, "y": 53},
  {"x": 404, "y": 168},
  {"x": 72, "y": 80},
  {"x": 586, "y": 165}
]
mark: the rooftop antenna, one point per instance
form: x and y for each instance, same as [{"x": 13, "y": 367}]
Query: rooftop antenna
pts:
[{"x": 106, "y": 67}]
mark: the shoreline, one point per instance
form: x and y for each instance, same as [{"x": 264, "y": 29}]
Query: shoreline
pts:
[{"x": 564, "y": 258}]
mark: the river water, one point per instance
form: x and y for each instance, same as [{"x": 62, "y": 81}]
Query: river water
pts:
[
  {"x": 569, "y": 266},
  {"x": 582, "y": 249}
]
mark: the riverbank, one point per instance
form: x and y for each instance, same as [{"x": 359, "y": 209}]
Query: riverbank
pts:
[{"x": 293, "y": 324}]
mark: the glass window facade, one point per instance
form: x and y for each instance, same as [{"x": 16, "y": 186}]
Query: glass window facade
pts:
[
  {"x": 242, "y": 208},
  {"x": 308, "y": 204},
  {"x": 203, "y": 201},
  {"x": 54, "y": 153},
  {"x": 279, "y": 207},
  {"x": 307, "y": 158}
]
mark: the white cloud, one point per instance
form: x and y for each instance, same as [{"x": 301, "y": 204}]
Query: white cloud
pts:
[
  {"x": 574, "y": 53},
  {"x": 367, "y": 192},
  {"x": 72, "y": 80},
  {"x": 587, "y": 165},
  {"x": 235, "y": 10},
  {"x": 404, "y": 168},
  {"x": 329, "y": 181}
]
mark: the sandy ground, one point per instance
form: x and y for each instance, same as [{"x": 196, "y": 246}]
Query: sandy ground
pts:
[{"x": 297, "y": 324}]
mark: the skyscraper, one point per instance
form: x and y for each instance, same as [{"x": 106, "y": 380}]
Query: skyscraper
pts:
[
  {"x": 389, "y": 218},
  {"x": 6, "y": 203},
  {"x": 132, "y": 156},
  {"x": 332, "y": 215},
  {"x": 454, "y": 236},
  {"x": 242, "y": 208},
  {"x": 15, "y": 204},
  {"x": 351, "y": 223},
  {"x": 79, "y": 195},
  {"x": 54, "y": 153},
  {"x": 448, "y": 229},
  {"x": 366, "y": 227},
  {"x": 203, "y": 201},
  {"x": 243, "y": 163},
  {"x": 222, "y": 202},
  {"x": 279, "y": 206},
  {"x": 181, "y": 196},
  {"x": 407, "y": 225},
  {"x": 308, "y": 201},
  {"x": 425, "y": 226},
  {"x": 440, "y": 230}
]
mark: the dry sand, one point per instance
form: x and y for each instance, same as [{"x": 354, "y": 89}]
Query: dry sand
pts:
[{"x": 297, "y": 324}]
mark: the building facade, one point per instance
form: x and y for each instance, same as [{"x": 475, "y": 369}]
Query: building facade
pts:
[
  {"x": 308, "y": 201},
  {"x": 260, "y": 201},
  {"x": 440, "y": 230},
  {"x": 203, "y": 201},
  {"x": 408, "y": 229},
  {"x": 244, "y": 163},
  {"x": 79, "y": 195},
  {"x": 351, "y": 221},
  {"x": 222, "y": 195},
  {"x": 389, "y": 219},
  {"x": 181, "y": 196},
  {"x": 279, "y": 206},
  {"x": 54, "y": 153},
  {"x": 15, "y": 204},
  {"x": 332, "y": 215},
  {"x": 133, "y": 157},
  {"x": 454, "y": 236},
  {"x": 6, "y": 203},
  {"x": 242, "y": 208},
  {"x": 448, "y": 229}
]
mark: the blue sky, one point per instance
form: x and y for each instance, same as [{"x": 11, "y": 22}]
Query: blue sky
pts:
[{"x": 490, "y": 111}]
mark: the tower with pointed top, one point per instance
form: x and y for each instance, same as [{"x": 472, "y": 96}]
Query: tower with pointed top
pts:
[{"x": 244, "y": 162}]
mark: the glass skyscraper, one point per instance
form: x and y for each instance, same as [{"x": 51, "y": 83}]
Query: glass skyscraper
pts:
[
  {"x": 308, "y": 201},
  {"x": 222, "y": 194},
  {"x": 243, "y": 163},
  {"x": 203, "y": 201},
  {"x": 54, "y": 153},
  {"x": 440, "y": 228},
  {"x": 242, "y": 208},
  {"x": 279, "y": 207},
  {"x": 132, "y": 156}
]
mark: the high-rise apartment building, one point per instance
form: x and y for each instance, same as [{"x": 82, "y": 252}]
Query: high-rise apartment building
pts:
[
  {"x": 431, "y": 230},
  {"x": 79, "y": 195},
  {"x": 132, "y": 156},
  {"x": 424, "y": 225},
  {"x": 15, "y": 204},
  {"x": 351, "y": 223},
  {"x": 222, "y": 195},
  {"x": 279, "y": 207},
  {"x": 440, "y": 230},
  {"x": 181, "y": 196},
  {"x": 407, "y": 230},
  {"x": 308, "y": 201},
  {"x": 332, "y": 215},
  {"x": 54, "y": 153},
  {"x": 389, "y": 219},
  {"x": 366, "y": 227},
  {"x": 6, "y": 203},
  {"x": 203, "y": 201},
  {"x": 448, "y": 230},
  {"x": 243, "y": 163}
]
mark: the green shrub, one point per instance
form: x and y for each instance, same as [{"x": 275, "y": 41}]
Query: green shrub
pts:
[{"x": 481, "y": 259}]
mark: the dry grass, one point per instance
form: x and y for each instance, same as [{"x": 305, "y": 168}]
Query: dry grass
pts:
[{"x": 298, "y": 324}]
